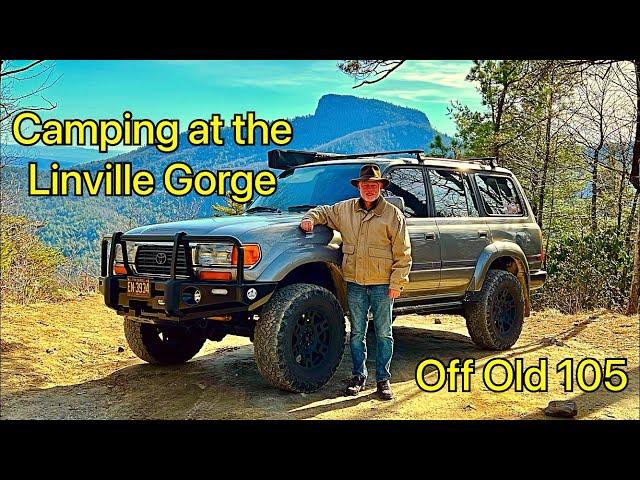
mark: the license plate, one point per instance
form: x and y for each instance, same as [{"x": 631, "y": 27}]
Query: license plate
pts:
[{"x": 138, "y": 287}]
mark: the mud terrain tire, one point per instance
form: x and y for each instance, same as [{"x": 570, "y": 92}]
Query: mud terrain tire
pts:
[
  {"x": 161, "y": 345},
  {"x": 300, "y": 338},
  {"x": 495, "y": 321}
]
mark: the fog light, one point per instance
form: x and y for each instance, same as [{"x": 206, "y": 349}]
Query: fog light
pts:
[
  {"x": 191, "y": 295},
  {"x": 252, "y": 293}
]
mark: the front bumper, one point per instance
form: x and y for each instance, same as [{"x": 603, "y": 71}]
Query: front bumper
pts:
[
  {"x": 167, "y": 301},
  {"x": 537, "y": 279},
  {"x": 169, "y": 297}
]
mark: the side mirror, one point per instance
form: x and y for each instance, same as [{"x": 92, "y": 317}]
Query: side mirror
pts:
[{"x": 396, "y": 201}]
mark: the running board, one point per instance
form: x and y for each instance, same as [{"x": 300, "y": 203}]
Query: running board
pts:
[{"x": 431, "y": 308}]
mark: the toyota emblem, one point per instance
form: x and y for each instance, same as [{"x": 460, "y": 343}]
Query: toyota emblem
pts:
[{"x": 161, "y": 258}]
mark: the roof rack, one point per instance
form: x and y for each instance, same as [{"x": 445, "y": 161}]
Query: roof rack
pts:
[
  {"x": 283, "y": 159},
  {"x": 489, "y": 161}
]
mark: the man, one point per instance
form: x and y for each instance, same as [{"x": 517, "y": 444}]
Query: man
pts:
[{"x": 376, "y": 263}]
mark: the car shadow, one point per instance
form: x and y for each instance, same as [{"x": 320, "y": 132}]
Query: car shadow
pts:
[{"x": 226, "y": 384}]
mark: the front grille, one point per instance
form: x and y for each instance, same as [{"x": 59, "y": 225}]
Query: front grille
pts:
[{"x": 148, "y": 257}]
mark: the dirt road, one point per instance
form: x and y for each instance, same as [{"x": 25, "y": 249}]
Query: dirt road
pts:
[{"x": 70, "y": 361}]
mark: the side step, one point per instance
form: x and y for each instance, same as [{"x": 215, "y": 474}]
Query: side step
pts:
[{"x": 430, "y": 308}]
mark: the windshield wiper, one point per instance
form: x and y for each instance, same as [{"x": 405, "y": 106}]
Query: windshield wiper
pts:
[
  {"x": 263, "y": 209},
  {"x": 300, "y": 208}
]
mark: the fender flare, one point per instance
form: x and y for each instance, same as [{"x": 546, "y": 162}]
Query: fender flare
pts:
[
  {"x": 291, "y": 259},
  {"x": 282, "y": 265},
  {"x": 491, "y": 253}
]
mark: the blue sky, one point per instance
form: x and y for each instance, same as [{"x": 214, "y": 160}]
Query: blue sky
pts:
[{"x": 273, "y": 89}]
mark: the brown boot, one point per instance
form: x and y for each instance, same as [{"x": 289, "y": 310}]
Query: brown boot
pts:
[
  {"x": 384, "y": 390},
  {"x": 355, "y": 385}
]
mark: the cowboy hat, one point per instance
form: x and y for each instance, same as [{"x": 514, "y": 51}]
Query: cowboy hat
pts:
[{"x": 369, "y": 172}]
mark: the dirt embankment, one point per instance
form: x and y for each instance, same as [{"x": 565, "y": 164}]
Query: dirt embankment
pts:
[{"x": 71, "y": 361}]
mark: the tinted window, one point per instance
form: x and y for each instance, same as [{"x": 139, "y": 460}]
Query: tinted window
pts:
[
  {"x": 452, "y": 194},
  {"x": 499, "y": 195},
  {"x": 408, "y": 183}
]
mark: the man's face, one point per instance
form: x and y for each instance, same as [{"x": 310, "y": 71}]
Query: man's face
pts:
[{"x": 369, "y": 190}]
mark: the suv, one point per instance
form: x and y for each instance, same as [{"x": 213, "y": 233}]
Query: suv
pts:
[{"x": 476, "y": 248}]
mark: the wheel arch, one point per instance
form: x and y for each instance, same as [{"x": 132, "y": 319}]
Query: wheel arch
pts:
[
  {"x": 323, "y": 274},
  {"x": 507, "y": 256}
]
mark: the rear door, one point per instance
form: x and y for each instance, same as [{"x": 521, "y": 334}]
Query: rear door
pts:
[
  {"x": 408, "y": 182},
  {"x": 508, "y": 216},
  {"x": 463, "y": 233}
]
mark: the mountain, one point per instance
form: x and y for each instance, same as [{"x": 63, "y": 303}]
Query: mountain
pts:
[
  {"x": 19, "y": 155},
  {"x": 340, "y": 124}
]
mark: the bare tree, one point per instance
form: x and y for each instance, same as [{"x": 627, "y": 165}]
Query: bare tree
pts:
[
  {"x": 22, "y": 87},
  {"x": 599, "y": 117},
  {"x": 369, "y": 71},
  {"x": 634, "y": 178}
]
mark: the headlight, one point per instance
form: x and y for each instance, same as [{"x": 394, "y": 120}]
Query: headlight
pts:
[
  {"x": 208, "y": 255},
  {"x": 131, "y": 252}
]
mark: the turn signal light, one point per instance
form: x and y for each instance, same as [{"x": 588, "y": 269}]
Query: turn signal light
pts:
[
  {"x": 208, "y": 275},
  {"x": 251, "y": 255},
  {"x": 119, "y": 270}
]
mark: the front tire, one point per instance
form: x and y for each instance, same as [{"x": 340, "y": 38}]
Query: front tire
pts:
[
  {"x": 161, "y": 345},
  {"x": 495, "y": 321},
  {"x": 300, "y": 338}
]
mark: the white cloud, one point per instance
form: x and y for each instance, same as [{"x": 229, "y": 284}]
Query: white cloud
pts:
[
  {"x": 411, "y": 94},
  {"x": 443, "y": 73}
]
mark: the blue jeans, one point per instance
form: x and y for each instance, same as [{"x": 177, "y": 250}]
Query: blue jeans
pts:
[{"x": 360, "y": 298}]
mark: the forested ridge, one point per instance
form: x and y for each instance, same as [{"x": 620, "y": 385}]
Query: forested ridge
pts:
[{"x": 567, "y": 129}]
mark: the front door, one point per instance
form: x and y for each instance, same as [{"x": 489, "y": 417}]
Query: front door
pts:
[{"x": 409, "y": 183}]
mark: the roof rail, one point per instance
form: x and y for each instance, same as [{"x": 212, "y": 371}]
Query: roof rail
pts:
[{"x": 283, "y": 159}]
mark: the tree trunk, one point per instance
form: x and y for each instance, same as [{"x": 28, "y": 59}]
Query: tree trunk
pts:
[
  {"x": 634, "y": 178},
  {"x": 497, "y": 125},
  {"x": 632, "y": 216},
  {"x": 545, "y": 163},
  {"x": 632, "y": 307},
  {"x": 623, "y": 183},
  {"x": 594, "y": 192}
]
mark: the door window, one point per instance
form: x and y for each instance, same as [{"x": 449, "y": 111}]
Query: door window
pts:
[
  {"x": 408, "y": 183},
  {"x": 452, "y": 196}
]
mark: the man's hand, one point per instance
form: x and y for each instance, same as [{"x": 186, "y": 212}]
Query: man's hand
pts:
[
  {"x": 306, "y": 225},
  {"x": 393, "y": 293}
]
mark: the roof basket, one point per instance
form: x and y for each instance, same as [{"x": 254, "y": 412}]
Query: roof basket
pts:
[{"x": 283, "y": 159}]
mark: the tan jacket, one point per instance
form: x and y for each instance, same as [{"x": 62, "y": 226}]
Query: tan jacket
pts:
[{"x": 375, "y": 244}]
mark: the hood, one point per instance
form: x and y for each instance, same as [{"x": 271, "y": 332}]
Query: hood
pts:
[{"x": 228, "y": 225}]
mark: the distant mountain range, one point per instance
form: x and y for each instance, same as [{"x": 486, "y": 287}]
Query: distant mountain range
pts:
[
  {"x": 340, "y": 124},
  {"x": 19, "y": 156}
]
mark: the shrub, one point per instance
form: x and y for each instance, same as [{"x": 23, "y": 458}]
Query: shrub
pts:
[
  {"x": 28, "y": 267},
  {"x": 587, "y": 271}
]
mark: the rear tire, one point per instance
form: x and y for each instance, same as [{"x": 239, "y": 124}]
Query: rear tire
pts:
[
  {"x": 495, "y": 321},
  {"x": 161, "y": 345},
  {"x": 300, "y": 338}
]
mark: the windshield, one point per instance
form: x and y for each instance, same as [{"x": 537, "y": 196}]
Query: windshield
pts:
[{"x": 306, "y": 187}]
